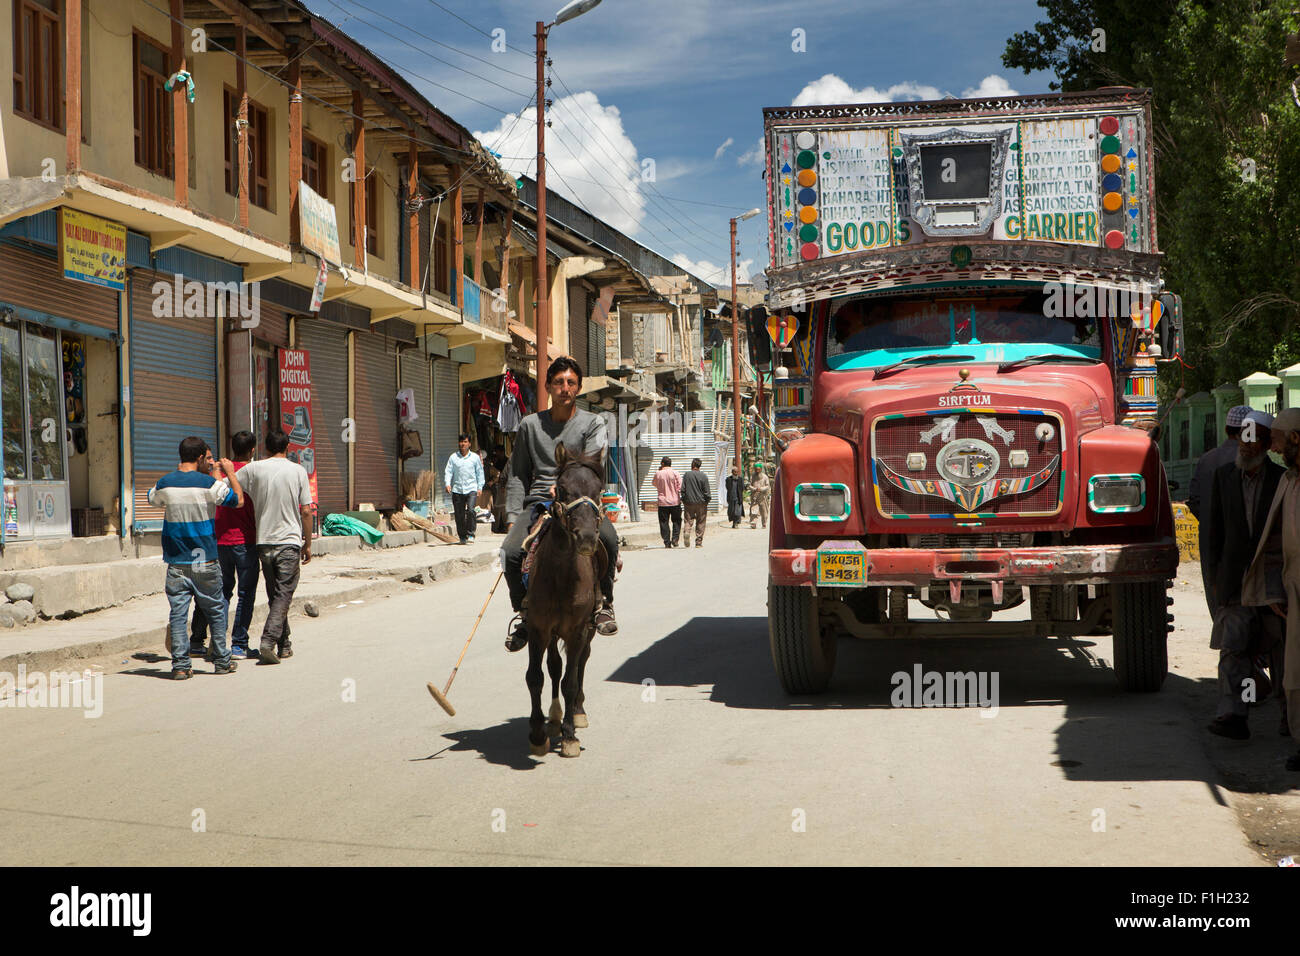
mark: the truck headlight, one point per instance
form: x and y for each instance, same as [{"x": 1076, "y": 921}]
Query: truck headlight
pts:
[
  {"x": 1113, "y": 494},
  {"x": 821, "y": 501}
]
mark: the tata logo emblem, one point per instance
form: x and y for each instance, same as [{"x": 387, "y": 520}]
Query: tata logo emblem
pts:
[{"x": 968, "y": 461}]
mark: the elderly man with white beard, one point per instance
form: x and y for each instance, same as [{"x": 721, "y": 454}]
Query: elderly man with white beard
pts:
[
  {"x": 1240, "y": 496},
  {"x": 1259, "y": 589}
]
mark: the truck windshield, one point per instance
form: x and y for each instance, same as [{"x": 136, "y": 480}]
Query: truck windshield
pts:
[{"x": 996, "y": 327}]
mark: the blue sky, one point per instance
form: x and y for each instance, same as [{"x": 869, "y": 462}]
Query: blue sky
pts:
[{"x": 681, "y": 83}]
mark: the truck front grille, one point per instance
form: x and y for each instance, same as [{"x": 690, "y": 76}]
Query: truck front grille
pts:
[
  {"x": 993, "y": 539},
  {"x": 927, "y": 492}
]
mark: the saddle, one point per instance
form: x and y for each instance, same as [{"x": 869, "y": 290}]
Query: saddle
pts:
[{"x": 535, "y": 535}]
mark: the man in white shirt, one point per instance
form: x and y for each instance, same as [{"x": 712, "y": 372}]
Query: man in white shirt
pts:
[
  {"x": 281, "y": 494},
  {"x": 463, "y": 479}
]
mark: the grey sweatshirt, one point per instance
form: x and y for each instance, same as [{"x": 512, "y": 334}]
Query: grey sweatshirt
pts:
[{"x": 532, "y": 460}]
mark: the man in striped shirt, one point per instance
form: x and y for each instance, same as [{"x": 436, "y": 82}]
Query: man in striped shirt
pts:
[{"x": 189, "y": 498}]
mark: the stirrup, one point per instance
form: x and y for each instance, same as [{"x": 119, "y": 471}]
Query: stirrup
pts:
[{"x": 518, "y": 638}]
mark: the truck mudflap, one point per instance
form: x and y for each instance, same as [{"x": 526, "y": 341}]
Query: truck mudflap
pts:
[{"x": 849, "y": 564}]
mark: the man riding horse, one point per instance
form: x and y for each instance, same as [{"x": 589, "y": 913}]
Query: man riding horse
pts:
[{"x": 532, "y": 482}]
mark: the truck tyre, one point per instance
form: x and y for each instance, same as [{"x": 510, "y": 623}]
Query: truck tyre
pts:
[
  {"x": 804, "y": 656},
  {"x": 1138, "y": 616}
]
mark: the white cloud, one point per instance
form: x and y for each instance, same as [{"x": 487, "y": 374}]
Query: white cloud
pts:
[
  {"x": 830, "y": 89},
  {"x": 991, "y": 85},
  {"x": 752, "y": 157},
  {"x": 717, "y": 153},
  {"x": 716, "y": 275},
  {"x": 589, "y": 158}
]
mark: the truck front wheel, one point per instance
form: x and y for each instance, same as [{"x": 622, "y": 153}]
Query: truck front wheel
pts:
[
  {"x": 802, "y": 651},
  {"x": 1138, "y": 620}
]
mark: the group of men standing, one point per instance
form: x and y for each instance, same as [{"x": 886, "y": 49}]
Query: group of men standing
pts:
[
  {"x": 1249, "y": 510},
  {"x": 690, "y": 493},
  {"x": 220, "y": 529}
]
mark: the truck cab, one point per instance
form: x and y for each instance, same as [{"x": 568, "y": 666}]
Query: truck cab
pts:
[{"x": 968, "y": 418}]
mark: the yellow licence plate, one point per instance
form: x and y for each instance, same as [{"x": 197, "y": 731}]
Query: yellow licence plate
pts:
[{"x": 841, "y": 568}]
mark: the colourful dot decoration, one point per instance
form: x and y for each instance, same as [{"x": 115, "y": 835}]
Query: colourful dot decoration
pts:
[
  {"x": 809, "y": 250},
  {"x": 808, "y": 214},
  {"x": 1109, "y": 126},
  {"x": 805, "y": 140},
  {"x": 1112, "y": 201},
  {"x": 1110, "y": 144},
  {"x": 808, "y": 233},
  {"x": 808, "y": 159},
  {"x": 1110, "y": 163},
  {"x": 1112, "y": 182},
  {"x": 807, "y": 197},
  {"x": 807, "y": 177},
  {"x": 1114, "y": 239}
]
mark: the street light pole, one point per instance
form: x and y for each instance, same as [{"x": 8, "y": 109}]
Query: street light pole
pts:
[
  {"x": 575, "y": 8},
  {"x": 735, "y": 344}
]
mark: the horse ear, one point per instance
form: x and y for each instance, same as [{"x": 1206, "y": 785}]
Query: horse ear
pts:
[{"x": 561, "y": 454}]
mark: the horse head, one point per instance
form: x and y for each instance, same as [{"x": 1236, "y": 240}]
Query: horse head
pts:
[{"x": 578, "y": 483}]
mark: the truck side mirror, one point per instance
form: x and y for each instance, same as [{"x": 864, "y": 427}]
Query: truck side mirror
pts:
[{"x": 1170, "y": 329}]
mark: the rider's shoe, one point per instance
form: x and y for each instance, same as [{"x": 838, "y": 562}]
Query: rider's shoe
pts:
[
  {"x": 605, "y": 623},
  {"x": 518, "y": 639}
]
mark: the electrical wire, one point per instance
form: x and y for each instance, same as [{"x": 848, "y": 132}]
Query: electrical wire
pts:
[
  {"x": 522, "y": 76},
  {"x": 528, "y": 53}
]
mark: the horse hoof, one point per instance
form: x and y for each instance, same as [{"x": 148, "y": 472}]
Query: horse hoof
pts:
[
  {"x": 539, "y": 750},
  {"x": 552, "y": 728},
  {"x": 570, "y": 748},
  {"x": 556, "y": 713},
  {"x": 579, "y": 721}
]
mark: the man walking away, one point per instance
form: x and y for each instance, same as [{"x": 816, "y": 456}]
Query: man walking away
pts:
[
  {"x": 735, "y": 497},
  {"x": 668, "y": 484},
  {"x": 760, "y": 493},
  {"x": 1199, "y": 491},
  {"x": 281, "y": 494},
  {"x": 237, "y": 555},
  {"x": 189, "y": 498},
  {"x": 463, "y": 478},
  {"x": 1240, "y": 496},
  {"x": 695, "y": 502},
  {"x": 1283, "y": 600}
]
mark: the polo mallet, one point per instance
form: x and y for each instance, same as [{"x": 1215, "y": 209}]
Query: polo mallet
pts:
[{"x": 441, "y": 695}]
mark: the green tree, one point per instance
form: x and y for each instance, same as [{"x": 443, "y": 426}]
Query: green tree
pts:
[{"x": 1223, "y": 109}]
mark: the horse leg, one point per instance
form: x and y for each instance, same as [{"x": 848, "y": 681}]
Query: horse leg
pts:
[
  {"x": 556, "y": 667},
  {"x": 569, "y": 745},
  {"x": 538, "y": 742},
  {"x": 580, "y": 713}
]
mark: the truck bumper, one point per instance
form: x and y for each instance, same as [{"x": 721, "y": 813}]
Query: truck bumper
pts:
[{"x": 896, "y": 567}]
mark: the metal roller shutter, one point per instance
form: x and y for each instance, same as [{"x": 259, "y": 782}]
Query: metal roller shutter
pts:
[
  {"x": 173, "y": 391},
  {"x": 416, "y": 377},
  {"x": 327, "y": 348},
  {"x": 34, "y": 281},
  {"x": 578, "y": 324},
  {"x": 272, "y": 326},
  {"x": 446, "y": 418},
  {"x": 376, "y": 413},
  {"x": 595, "y": 349}
]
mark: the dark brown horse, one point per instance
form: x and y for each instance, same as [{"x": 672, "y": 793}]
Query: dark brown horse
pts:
[{"x": 563, "y": 594}]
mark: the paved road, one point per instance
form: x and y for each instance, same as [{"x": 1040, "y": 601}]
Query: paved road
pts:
[{"x": 716, "y": 766}]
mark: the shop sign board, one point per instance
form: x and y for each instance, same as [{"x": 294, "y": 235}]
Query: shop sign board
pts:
[
  {"x": 295, "y": 411},
  {"x": 92, "y": 250},
  {"x": 318, "y": 225}
]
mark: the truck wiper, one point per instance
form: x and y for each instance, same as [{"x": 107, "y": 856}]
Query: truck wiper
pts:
[
  {"x": 923, "y": 359},
  {"x": 1046, "y": 357}
]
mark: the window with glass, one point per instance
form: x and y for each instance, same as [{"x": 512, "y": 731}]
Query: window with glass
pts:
[
  {"x": 33, "y": 403},
  {"x": 38, "y": 61},
  {"x": 315, "y": 165},
  {"x": 891, "y": 328},
  {"x": 153, "y": 107},
  {"x": 259, "y": 150}
]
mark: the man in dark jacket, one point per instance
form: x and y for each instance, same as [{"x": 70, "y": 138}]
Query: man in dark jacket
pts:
[
  {"x": 695, "y": 503},
  {"x": 1239, "y": 499},
  {"x": 1198, "y": 493}
]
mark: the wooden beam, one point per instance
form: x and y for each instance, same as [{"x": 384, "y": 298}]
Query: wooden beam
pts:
[
  {"x": 505, "y": 255},
  {"x": 244, "y": 15},
  {"x": 72, "y": 83},
  {"x": 478, "y": 240},
  {"x": 412, "y": 218},
  {"x": 180, "y": 113},
  {"x": 164, "y": 240},
  {"x": 359, "y": 184},
  {"x": 241, "y": 90},
  {"x": 295, "y": 145},
  {"x": 458, "y": 235},
  {"x": 256, "y": 272}
]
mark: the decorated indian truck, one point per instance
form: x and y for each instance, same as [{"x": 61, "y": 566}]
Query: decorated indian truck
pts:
[{"x": 970, "y": 399}]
